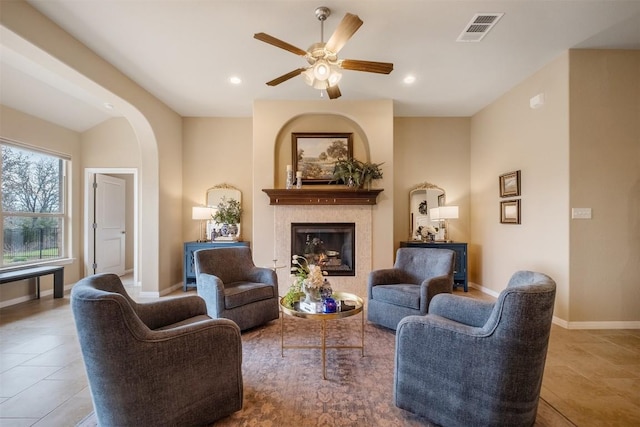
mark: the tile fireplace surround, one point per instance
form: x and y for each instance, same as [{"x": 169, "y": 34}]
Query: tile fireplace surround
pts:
[{"x": 283, "y": 216}]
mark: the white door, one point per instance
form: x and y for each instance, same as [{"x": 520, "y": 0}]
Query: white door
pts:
[{"x": 109, "y": 224}]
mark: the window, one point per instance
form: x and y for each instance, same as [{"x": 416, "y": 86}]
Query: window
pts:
[{"x": 33, "y": 206}]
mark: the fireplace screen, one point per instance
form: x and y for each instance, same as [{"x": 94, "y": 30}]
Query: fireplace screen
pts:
[{"x": 330, "y": 245}]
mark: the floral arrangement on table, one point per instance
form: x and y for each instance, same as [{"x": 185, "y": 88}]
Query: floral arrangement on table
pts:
[
  {"x": 426, "y": 232},
  {"x": 228, "y": 212},
  {"x": 308, "y": 278}
]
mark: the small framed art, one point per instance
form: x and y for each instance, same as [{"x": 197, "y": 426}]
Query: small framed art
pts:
[
  {"x": 510, "y": 184},
  {"x": 510, "y": 212},
  {"x": 315, "y": 154}
]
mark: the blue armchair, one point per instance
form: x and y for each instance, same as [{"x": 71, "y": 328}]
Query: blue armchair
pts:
[
  {"x": 471, "y": 362},
  {"x": 406, "y": 289},
  {"x": 161, "y": 363},
  {"x": 234, "y": 288}
]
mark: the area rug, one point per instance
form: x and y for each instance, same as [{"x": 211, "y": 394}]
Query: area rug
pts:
[{"x": 289, "y": 391}]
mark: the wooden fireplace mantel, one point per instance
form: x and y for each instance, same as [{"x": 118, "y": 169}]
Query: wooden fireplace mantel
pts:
[{"x": 322, "y": 196}]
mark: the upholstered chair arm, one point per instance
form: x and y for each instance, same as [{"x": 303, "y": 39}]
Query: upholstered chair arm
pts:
[
  {"x": 206, "y": 356},
  {"x": 388, "y": 276},
  {"x": 464, "y": 310},
  {"x": 427, "y": 346},
  {"x": 432, "y": 287},
  {"x": 211, "y": 289},
  {"x": 166, "y": 312},
  {"x": 262, "y": 275}
]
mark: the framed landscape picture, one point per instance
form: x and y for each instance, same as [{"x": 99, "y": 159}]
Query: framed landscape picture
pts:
[
  {"x": 314, "y": 154},
  {"x": 510, "y": 184},
  {"x": 510, "y": 212}
]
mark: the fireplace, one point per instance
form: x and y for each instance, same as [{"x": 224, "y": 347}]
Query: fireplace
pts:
[{"x": 330, "y": 245}]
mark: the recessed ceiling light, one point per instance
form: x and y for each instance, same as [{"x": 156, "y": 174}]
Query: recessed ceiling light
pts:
[
  {"x": 108, "y": 105},
  {"x": 409, "y": 79},
  {"x": 235, "y": 80}
]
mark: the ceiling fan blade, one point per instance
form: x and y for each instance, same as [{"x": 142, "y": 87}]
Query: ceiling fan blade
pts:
[
  {"x": 334, "y": 92},
  {"x": 285, "y": 77},
  {"x": 368, "y": 66},
  {"x": 279, "y": 43},
  {"x": 347, "y": 28}
]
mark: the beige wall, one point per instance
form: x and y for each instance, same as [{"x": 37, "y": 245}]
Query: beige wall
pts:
[
  {"x": 216, "y": 151},
  {"x": 506, "y": 136},
  {"x": 605, "y": 176},
  {"x": 113, "y": 144},
  {"x": 157, "y": 128},
  {"x": 434, "y": 150},
  {"x": 30, "y": 130}
]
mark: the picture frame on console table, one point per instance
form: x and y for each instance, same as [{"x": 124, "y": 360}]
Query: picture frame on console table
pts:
[
  {"x": 314, "y": 154},
  {"x": 510, "y": 212}
]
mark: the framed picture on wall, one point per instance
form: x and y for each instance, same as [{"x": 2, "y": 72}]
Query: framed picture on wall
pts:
[
  {"x": 314, "y": 154},
  {"x": 510, "y": 184},
  {"x": 510, "y": 212}
]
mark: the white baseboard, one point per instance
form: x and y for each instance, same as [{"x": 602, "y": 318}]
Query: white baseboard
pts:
[
  {"x": 615, "y": 324},
  {"x": 144, "y": 294},
  {"x": 26, "y": 298},
  {"x": 484, "y": 290}
]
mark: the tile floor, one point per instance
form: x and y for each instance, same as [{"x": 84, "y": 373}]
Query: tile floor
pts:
[{"x": 592, "y": 377}]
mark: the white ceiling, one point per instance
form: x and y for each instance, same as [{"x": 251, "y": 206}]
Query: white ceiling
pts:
[{"x": 184, "y": 51}]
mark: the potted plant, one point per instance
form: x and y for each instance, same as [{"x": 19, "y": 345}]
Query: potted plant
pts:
[
  {"x": 370, "y": 171},
  {"x": 355, "y": 173},
  {"x": 228, "y": 216}
]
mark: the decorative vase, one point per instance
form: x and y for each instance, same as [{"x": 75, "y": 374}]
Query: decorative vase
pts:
[
  {"x": 325, "y": 290},
  {"x": 329, "y": 305},
  {"x": 310, "y": 294}
]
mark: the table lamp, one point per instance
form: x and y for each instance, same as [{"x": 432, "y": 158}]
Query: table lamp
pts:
[
  {"x": 201, "y": 213},
  {"x": 444, "y": 213}
]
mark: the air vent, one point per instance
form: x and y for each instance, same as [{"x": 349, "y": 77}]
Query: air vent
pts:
[{"x": 479, "y": 26}]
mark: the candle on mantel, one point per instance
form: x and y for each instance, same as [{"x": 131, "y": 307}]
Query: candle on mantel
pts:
[{"x": 298, "y": 179}]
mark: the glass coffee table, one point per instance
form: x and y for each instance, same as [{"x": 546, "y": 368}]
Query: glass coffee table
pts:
[{"x": 353, "y": 299}]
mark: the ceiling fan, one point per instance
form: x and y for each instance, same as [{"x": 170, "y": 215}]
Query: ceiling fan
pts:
[{"x": 324, "y": 70}]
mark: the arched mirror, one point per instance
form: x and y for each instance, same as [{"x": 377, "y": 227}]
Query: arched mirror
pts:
[
  {"x": 215, "y": 194},
  {"x": 422, "y": 198},
  {"x": 230, "y": 199}
]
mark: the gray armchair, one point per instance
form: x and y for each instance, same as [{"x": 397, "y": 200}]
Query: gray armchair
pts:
[
  {"x": 471, "y": 362},
  {"x": 406, "y": 289},
  {"x": 163, "y": 363},
  {"x": 234, "y": 288}
]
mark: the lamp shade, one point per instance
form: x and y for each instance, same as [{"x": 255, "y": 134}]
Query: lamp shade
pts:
[
  {"x": 200, "y": 212},
  {"x": 443, "y": 212},
  {"x": 448, "y": 212}
]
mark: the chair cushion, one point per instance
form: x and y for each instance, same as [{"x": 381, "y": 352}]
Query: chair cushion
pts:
[
  {"x": 405, "y": 295},
  {"x": 189, "y": 321},
  {"x": 238, "y": 294}
]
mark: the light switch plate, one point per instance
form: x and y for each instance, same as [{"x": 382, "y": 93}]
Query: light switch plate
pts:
[{"x": 580, "y": 213}]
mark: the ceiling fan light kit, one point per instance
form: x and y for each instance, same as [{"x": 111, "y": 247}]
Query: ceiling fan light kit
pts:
[{"x": 324, "y": 68}]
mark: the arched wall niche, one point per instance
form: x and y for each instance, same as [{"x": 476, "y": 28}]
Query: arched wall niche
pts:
[{"x": 315, "y": 122}]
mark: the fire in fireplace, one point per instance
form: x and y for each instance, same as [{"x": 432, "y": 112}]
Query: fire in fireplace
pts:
[{"x": 330, "y": 245}]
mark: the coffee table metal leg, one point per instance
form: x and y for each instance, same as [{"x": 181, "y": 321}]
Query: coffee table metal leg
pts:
[
  {"x": 362, "y": 332},
  {"x": 281, "y": 333},
  {"x": 324, "y": 349}
]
